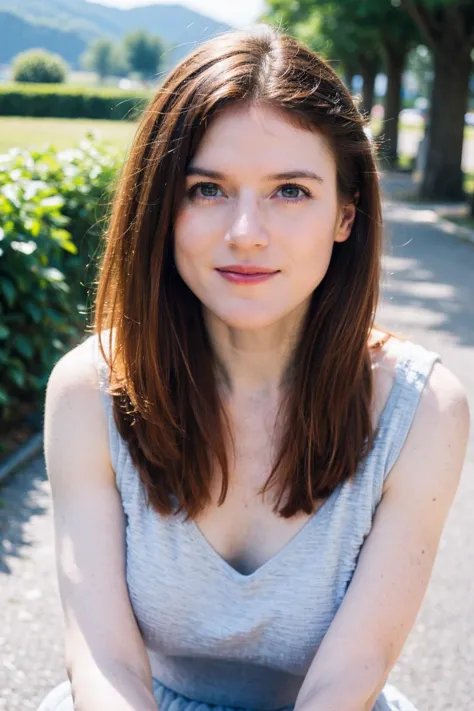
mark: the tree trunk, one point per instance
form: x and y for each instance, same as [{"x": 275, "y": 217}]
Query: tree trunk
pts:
[
  {"x": 368, "y": 72},
  {"x": 394, "y": 64},
  {"x": 443, "y": 177}
]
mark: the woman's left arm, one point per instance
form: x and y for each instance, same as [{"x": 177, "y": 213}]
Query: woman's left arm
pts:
[{"x": 395, "y": 564}]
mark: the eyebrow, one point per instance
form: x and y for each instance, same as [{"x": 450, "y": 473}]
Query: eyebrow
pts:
[{"x": 289, "y": 175}]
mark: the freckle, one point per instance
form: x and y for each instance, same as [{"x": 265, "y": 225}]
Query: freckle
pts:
[
  {"x": 433, "y": 499},
  {"x": 423, "y": 552}
]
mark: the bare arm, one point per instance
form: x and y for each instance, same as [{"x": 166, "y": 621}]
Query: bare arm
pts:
[
  {"x": 106, "y": 659},
  {"x": 385, "y": 595}
]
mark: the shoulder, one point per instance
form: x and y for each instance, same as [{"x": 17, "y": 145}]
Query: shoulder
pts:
[
  {"x": 436, "y": 442},
  {"x": 441, "y": 387},
  {"x": 442, "y": 417},
  {"x": 76, "y": 370},
  {"x": 73, "y": 395},
  {"x": 442, "y": 394},
  {"x": 76, "y": 427}
]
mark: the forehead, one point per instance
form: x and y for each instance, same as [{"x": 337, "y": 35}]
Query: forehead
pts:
[{"x": 262, "y": 139}]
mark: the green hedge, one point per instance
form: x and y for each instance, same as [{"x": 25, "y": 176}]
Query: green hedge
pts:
[
  {"x": 54, "y": 207},
  {"x": 63, "y": 101}
]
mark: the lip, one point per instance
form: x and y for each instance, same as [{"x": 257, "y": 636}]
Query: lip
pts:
[{"x": 246, "y": 274}]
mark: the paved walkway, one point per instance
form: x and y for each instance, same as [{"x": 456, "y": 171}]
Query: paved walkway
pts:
[{"x": 428, "y": 295}]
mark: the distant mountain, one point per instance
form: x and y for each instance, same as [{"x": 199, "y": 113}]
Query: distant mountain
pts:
[
  {"x": 67, "y": 27},
  {"x": 17, "y": 34}
]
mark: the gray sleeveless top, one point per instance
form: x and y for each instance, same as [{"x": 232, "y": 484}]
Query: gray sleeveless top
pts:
[{"x": 215, "y": 636}]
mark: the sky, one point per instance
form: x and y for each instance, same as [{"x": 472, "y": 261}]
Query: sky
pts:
[{"x": 237, "y": 13}]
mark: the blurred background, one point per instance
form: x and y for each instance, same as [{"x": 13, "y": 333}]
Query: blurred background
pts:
[{"x": 74, "y": 78}]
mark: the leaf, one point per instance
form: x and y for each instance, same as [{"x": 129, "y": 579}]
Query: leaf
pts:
[
  {"x": 11, "y": 193},
  {"x": 52, "y": 201},
  {"x": 23, "y": 247},
  {"x": 8, "y": 290},
  {"x": 53, "y": 315},
  {"x": 17, "y": 377},
  {"x": 23, "y": 345},
  {"x": 69, "y": 247},
  {"x": 32, "y": 188},
  {"x": 35, "y": 228},
  {"x": 34, "y": 311},
  {"x": 51, "y": 274},
  {"x": 60, "y": 235},
  {"x": 4, "y": 332}
]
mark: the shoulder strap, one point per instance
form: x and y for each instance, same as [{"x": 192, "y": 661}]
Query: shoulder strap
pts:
[
  {"x": 412, "y": 371},
  {"x": 116, "y": 448}
]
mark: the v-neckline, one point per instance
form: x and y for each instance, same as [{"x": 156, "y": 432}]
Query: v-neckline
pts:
[
  {"x": 402, "y": 362},
  {"x": 210, "y": 552}
]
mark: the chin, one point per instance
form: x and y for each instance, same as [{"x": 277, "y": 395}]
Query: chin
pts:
[{"x": 249, "y": 319}]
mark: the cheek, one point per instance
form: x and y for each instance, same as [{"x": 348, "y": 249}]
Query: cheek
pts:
[
  {"x": 309, "y": 248},
  {"x": 193, "y": 237},
  {"x": 194, "y": 241}
]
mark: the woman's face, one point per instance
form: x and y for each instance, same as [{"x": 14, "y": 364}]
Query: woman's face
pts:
[{"x": 248, "y": 207}]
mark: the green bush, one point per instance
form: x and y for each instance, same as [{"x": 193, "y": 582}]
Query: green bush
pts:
[
  {"x": 40, "y": 67},
  {"x": 54, "y": 206},
  {"x": 64, "y": 101}
]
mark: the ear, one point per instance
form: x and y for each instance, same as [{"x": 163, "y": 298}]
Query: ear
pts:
[{"x": 346, "y": 216}]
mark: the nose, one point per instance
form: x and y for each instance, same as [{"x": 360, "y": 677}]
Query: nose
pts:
[{"x": 246, "y": 230}]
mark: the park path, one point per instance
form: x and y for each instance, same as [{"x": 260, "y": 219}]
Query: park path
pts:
[{"x": 429, "y": 296}]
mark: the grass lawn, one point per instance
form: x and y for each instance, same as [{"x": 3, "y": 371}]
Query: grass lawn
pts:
[{"x": 25, "y": 132}]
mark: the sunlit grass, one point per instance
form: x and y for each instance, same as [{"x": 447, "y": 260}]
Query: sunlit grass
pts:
[{"x": 25, "y": 132}]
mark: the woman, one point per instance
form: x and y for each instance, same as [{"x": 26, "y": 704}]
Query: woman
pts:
[{"x": 246, "y": 510}]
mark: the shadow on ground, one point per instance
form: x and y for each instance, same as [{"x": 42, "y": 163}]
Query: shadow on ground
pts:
[
  {"x": 428, "y": 277},
  {"x": 21, "y": 498}
]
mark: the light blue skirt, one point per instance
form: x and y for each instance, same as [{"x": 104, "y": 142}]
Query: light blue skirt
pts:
[{"x": 60, "y": 699}]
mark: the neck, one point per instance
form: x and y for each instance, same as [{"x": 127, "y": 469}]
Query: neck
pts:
[{"x": 255, "y": 359}]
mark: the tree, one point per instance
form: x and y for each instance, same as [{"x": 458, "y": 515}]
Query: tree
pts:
[
  {"x": 420, "y": 64},
  {"x": 397, "y": 36},
  {"x": 448, "y": 29},
  {"x": 333, "y": 34},
  {"x": 365, "y": 35},
  {"x": 99, "y": 58},
  {"x": 39, "y": 66},
  {"x": 144, "y": 53},
  {"x": 120, "y": 65},
  {"x": 379, "y": 37}
]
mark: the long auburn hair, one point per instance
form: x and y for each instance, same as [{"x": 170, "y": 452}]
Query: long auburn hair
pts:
[{"x": 166, "y": 401}]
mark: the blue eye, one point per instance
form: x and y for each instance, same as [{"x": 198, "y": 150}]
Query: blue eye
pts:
[
  {"x": 193, "y": 192},
  {"x": 291, "y": 186},
  {"x": 207, "y": 192}
]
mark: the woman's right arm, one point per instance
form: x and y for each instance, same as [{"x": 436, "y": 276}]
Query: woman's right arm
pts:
[{"x": 106, "y": 659}]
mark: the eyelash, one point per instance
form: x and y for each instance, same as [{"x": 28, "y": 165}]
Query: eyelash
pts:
[{"x": 192, "y": 192}]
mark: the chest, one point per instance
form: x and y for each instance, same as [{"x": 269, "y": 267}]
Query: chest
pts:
[
  {"x": 245, "y": 531},
  {"x": 239, "y": 583},
  {"x": 191, "y": 602}
]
